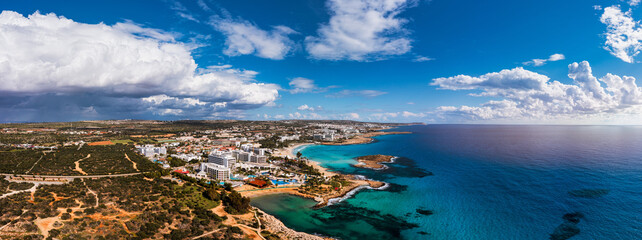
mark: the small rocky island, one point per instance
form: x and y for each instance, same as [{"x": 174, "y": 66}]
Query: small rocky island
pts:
[{"x": 374, "y": 161}]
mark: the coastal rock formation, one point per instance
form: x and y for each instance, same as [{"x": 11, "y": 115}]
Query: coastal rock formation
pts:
[
  {"x": 589, "y": 193},
  {"x": 569, "y": 228},
  {"x": 346, "y": 192},
  {"x": 402, "y": 167},
  {"x": 425, "y": 212},
  {"x": 374, "y": 161},
  {"x": 386, "y": 225},
  {"x": 276, "y": 226},
  {"x": 396, "y": 188}
]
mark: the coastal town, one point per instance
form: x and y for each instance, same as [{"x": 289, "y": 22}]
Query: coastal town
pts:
[{"x": 231, "y": 162}]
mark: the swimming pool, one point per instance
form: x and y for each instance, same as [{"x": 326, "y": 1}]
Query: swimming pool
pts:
[{"x": 283, "y": 182}]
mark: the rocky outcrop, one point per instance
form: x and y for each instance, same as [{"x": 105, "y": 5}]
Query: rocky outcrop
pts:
[{"x": 276, "y": 226}]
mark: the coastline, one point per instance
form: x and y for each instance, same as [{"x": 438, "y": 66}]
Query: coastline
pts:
[
  {"x": 348, "y": 192},
  {"x": 364, "y": 138},
  {"x": 289, "y": 151},
  {"x": 322, "y": 201},
  {"x": 277, "y": 227},
  {"x": 359, "y": 184}
]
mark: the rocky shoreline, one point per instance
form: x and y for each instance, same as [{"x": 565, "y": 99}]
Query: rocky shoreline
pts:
[
  {"x": 374, "y": 162},
  {"x": 322, "y": 200},
  {"x": 277, "y": 227},
  {"x": 349, "y": 191}
]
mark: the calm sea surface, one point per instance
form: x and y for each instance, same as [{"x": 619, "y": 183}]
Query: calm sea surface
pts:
[{"x": 484, "y": 182}]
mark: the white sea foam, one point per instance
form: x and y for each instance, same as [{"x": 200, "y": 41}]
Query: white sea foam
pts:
[
  {"x": 352, "y": 192},
  {"x": 383, "y": 164}
]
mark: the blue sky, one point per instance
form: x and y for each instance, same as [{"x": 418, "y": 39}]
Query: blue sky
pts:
[{"x": 380, "y": 60}]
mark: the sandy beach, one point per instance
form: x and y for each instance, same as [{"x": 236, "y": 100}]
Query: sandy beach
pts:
[
  {"x": 322, "y": 201},
  {"x": 289, "y": 151}
]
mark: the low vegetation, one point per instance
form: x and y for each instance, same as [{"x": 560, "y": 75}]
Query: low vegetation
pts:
[
  {"x": 127, "y": 208},
  {"x": 103, "y": 160},
  {"x": 7, "y": 187}
]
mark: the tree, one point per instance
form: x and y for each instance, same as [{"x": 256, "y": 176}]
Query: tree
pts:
[
  {"x": 212, "y": 194},
  {"x": 299, "y": 154},
  {"x": 235, "y": 203}
]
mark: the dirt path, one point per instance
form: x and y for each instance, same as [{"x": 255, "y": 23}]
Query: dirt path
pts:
[
  {"x": 134, "y": 163},
  {"x": 32, "y": 190},
  {"x": 256, "y": 216},
  {"x": 78, "y": 169},
  {"x": 92, "y": 192},
  {"x": 250, "y": 232},
  {"x": 56, "y": 198},
  {"x": 10, "y": 222},
  {"x": 34, "y": 165},
  {"x": 208, "y": 233}
]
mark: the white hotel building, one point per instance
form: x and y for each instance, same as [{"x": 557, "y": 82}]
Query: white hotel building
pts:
[{"x": 216, "y": 171}]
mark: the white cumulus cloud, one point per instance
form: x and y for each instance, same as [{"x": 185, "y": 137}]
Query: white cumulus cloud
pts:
[
  {"x": 361, "y": 30},
  {"x": 517, "y": 78},
  {"x": 305, "y": 107},
  {"x": 540, "y": 62},
  {"x": 244, "y": 38},
  {"x": 623, "y": 33},
  {"x": 527, "y": 95},
  {"x": 302, "y": 85}
]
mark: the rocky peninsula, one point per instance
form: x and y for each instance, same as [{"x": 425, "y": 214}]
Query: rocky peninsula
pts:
[{"x": 374, "y": 161}]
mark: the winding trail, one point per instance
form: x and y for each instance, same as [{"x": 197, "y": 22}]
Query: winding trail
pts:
[
  {"x": 258, "y": 221},
  {"x": 32, "y": 190},
  {"x": 78, "y": 169},
  {"x": 251, "y": 232},
  {"x": 10, "y": 222},
  {"x": 92, "y": 192},
  {"x": 134, "y": 163}
]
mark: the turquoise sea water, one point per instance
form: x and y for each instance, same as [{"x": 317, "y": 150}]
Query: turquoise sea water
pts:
[{"x": 487, "y": 182}]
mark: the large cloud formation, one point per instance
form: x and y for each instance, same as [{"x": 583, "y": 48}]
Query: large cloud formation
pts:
[
  {"x": 52, "y": 58},
  {"x": 526, "y": 95},
  {"x": 623, "y": 34},
  {"x": 361, "y": 30}
]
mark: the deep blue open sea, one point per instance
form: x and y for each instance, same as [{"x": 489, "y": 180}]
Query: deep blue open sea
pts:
[{"x": 484, "y": 182}]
